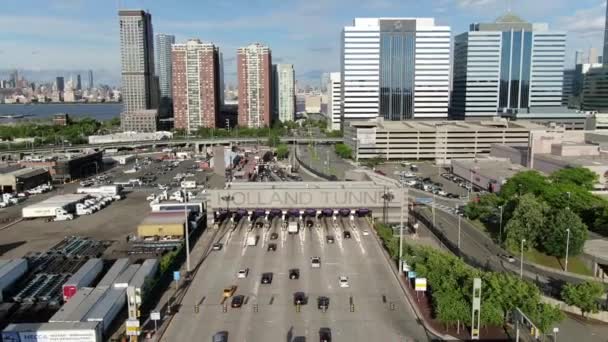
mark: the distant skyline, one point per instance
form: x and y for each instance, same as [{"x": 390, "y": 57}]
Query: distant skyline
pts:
[{"x": 83, "y": 34}]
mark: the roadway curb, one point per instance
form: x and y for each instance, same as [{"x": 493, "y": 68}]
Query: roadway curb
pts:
[{"x": 403, "y": 286}]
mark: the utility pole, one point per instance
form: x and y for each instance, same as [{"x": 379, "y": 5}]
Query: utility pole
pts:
[
  {"x": 567, "y": 247},
  {"x": 187, "y": 232},
  {"x": 521, "y": 259}
]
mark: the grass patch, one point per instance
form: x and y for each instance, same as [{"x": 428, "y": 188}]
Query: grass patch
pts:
[{"x": 575, "y": 264}]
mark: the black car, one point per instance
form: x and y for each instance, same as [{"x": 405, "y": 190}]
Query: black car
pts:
[
  {"x": 346, "y": 234},
  {"x": 299, "y": 298},
  {"x": 323, "y": 303},
  {"x": 294, "y": 273},
  {"x": 330, "y": 239},
  {"x": 272, "y": 247},
  {"x": 324, "y": 335},
  {"x": 274, "y": 236},
  {"x": 267, "y": 278},
  {"x": 237, "y": 301}
]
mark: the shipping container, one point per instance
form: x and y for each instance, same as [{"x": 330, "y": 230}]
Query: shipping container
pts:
[
  {"x": 10, "y": 273},
  {"x": 68, "y": 308},
  {"x": 106, "y": 190},
  {"x": 108, "y": 308},
  {"x": 162, "y": 224},
  {"x": 87, "y": 304},
  {"x": 125, "y": 277},
  {"x": 147, "y": 270},
  {"x": 117, "y": 268},
  {"x": 60, "y": 331},
  {"x": 4, "y": 262},
  {"x": 83, "y": 277}
]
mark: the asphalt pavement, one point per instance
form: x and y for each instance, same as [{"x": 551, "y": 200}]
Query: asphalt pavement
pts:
[{"x": 379, "y": 311}]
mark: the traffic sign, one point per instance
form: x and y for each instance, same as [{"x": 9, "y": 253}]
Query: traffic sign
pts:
[
  {"x": 155, "y": 315},
  {"x": 133, "y": 328},
  {"x": 420, "y": 284},
  {"x": 176, "y": 275},
  {"x": 411, "y": 274}
]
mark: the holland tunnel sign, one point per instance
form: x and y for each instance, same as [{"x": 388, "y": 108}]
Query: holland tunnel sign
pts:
[{"x": 300, "y": 198}]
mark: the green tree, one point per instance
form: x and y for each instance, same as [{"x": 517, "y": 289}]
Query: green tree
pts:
[
  {"x": 545, "y": 316},
  {"x": 483, "y": 207},
  {"x": 282, "y": 151},
  {"x": 373, "y": 162},
  {"x": 585, "y": 296},
  {"x": 600, "y": 222},
  {"x": 523, "y": 183},
  {"x": 555, "y": 234},
  {"x": 343, "y": 150},
  {"x": 580, "y": 176},
  {"x": 273, "y": 140},
  {"x": 526, "y": 223}
]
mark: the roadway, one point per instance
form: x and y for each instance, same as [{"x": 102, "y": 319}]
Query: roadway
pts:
[
  {"x": 170, "y": 142},
  {"x": 269, "y": 313}
]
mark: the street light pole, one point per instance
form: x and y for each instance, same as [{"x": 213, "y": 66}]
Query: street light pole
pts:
[
  {"x": 500, "y": 236},
  {"x": 434, "y": 211},
  {"x": 187, "y": 233},
  {"x": 521, "y": 259},
  {"x": 567, "y": 247},
  {"x": 458, "y": 233}
]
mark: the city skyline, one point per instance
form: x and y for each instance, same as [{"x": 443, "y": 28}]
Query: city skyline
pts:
[{"x": 299, "y": 33}]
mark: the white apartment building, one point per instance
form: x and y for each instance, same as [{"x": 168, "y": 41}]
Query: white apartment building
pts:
[
  {"x": 334, "y": 106},
  {"x": 507, "y": 67},
  {"x": 395, "y": 68},
  {"x": 285, "y": 92}
]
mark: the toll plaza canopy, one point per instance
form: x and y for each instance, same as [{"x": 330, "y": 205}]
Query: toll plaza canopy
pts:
[{"x": 303, "y": 195}]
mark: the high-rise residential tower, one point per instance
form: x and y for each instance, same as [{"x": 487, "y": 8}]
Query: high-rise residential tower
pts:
[
  {"x": 139, "y": 92},
  {"x": 196, "y": 85},
  {"x": 254, "y": 68},
  {"x": 334, "y": 108},
  {"x": 222, "y": 84},
  {"x": 163, "y": 63},
  {"x": 285, "y": 95},
  {"x": 91, "y": 85},
  {"x": 507, "y": 67},
  {"x": 395, "y": 68}
]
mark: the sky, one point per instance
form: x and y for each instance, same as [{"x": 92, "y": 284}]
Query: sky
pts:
[{"x": 83, "y": 34}]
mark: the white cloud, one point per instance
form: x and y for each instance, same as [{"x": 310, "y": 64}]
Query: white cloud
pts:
[{"x": 474, "y": 3}]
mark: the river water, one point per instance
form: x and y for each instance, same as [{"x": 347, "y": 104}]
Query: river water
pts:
[{"x": 101, "y": 111}]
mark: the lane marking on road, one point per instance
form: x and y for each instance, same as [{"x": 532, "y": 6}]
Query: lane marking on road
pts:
[
  {"x": 302, "y": 239},
  {"x": 283, "y": 238},
  {"x": 338, "y": 238}
]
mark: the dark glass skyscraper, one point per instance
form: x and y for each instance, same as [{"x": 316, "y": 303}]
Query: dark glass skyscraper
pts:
[
  {"x": 397, "y": 69},
  {"x": 515, "y": 60}
]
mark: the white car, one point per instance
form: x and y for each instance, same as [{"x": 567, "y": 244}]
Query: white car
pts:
[
  {"x": 243, "y": 273},
  {"x": 366, "y": 232},
  {"x": 344, "y": 281}
]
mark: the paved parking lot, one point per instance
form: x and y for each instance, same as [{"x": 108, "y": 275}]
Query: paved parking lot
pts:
[
  {"x": 425, "y": 169},
  {"x": 269, "y": 313}
]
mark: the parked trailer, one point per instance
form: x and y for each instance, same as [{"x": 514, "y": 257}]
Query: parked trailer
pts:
[
  {"x": 105, "y": 190},
  {"x": 137, "y": 286},
  {"x": 106, "y": 310},
  {"x": 44, "y": 332},
  {"x": 10, "y": 273},
  {"x": 70, "y": 306},
  {"x": 87, "y": 304},
  {"x": 84, "y": 277},
  {"x": 125, "y": 277},
  {"x": 117, "y": 268},
  {"x": 51, "y": 206}
]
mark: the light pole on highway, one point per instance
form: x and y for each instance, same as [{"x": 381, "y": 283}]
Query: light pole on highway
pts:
[
  {"x": 521, "y": 259},
  {"x": 434, "y": 210},
  {"x": 187, "y": 233},
  {"x": 567, "y": 247},
  {"x": 500, "y": 234},
  {"x": 458, "y": 233}
]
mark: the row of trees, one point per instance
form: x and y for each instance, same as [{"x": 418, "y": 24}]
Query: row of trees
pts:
[
  {"x": 76, "y": 132},
  {"x": 542, "y": 209}
]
